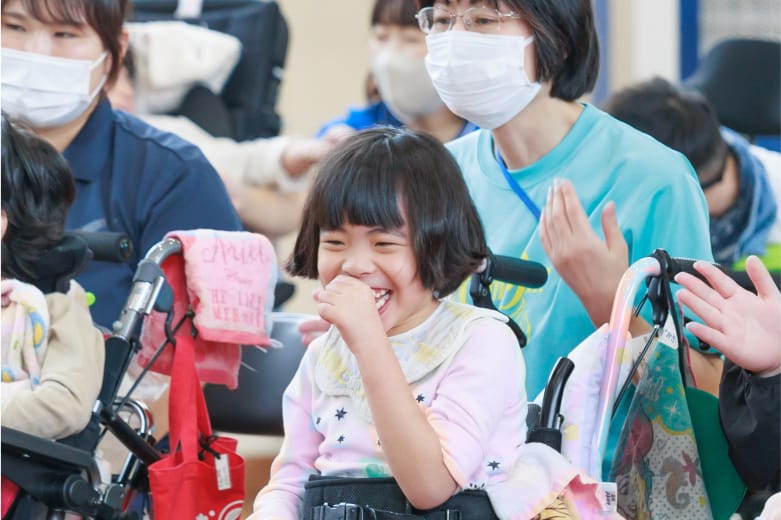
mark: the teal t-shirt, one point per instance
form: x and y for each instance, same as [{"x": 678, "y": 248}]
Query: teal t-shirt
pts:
[{"x": 659, "y": 204}]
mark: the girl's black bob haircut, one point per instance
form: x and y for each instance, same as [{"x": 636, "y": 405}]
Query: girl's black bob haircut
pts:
[
  {"x": 370, "y": 177},
  {"x": 565, "y": 37},
  {"x": 37, "y": 190}
]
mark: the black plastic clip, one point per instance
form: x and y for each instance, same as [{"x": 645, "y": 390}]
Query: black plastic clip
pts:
[{"x": 480, "y": 291}]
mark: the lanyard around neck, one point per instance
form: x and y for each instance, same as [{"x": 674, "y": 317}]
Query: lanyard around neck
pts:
[{"x": 516, "y": 187}]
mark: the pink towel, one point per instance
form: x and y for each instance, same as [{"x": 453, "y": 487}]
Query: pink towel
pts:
[{"x": 228, "y": 278}]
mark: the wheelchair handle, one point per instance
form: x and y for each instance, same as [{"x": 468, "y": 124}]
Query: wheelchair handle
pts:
[
  {"x": 554, "y": 393},
  {"x": 147, "y": 284},
  {"x": 106, "y": 246},
  {"x": 514, "y": 271}
]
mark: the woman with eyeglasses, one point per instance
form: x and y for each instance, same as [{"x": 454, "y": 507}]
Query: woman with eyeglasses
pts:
[
  {"x": 550, "y": 175},
  {"x": 400, "y": 89},
  {"x": 58, "y": 59}
]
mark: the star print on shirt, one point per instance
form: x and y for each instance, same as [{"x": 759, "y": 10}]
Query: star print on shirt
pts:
[
  {"x": 340, "y": 413},
  {"x": 494, "y": 465},
  {"x": 340, "y": 439},
  {"x": 420, "y": 398}
]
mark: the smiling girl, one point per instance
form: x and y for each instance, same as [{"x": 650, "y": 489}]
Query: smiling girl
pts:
[{"x": 401, "y": 385}]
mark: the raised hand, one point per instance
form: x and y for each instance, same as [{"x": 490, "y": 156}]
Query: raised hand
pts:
[
  {"x": 349, "y": 304},
  {"x": 300, "y": 154},
  {"x": 591, "y": 267},
  {"x": 745, "y": 327},
  {"x": 312, "y": 329}
]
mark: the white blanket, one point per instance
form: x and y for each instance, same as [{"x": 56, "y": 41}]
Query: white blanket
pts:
[{"x": 171, "y": 57}]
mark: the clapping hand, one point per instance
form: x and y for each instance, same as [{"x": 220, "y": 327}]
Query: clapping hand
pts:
[{"x": 743, "y": 326}]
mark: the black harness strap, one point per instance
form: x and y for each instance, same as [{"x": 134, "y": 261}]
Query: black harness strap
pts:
[{"x": 332, "y": 498}]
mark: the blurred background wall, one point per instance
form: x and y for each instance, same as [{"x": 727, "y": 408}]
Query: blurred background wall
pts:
[{"x": 327, "y": 61}]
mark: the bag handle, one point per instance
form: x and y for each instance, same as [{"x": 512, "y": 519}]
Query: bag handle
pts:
[{"x": 187, "y": 413}]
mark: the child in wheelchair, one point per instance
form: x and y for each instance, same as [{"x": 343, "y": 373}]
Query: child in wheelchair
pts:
[
  {"x": 401, "y": 389},
  {"x": 52, "y": 355}
]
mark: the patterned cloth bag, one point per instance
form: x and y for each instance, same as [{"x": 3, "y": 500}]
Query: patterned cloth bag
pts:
[{"x": 671, "y": 459}]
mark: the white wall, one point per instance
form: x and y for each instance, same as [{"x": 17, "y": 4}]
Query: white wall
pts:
[
  {"x": 645, "y": 41},
  {"x": 326, "y": 66},
  {"x": 327, "y": 61}
]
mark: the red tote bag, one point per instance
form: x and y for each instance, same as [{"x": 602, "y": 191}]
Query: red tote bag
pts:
[{"x": 203, "y": 477}]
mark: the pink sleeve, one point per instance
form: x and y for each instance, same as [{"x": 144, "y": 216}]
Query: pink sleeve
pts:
[
  {"x": 484, "y": 381},
  {"x": 283, "y": 496}
]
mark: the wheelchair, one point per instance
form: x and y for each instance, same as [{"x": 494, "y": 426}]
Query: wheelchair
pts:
[
  {"x": 62, "y": 477},
  {"x": 59, "y": 477}
]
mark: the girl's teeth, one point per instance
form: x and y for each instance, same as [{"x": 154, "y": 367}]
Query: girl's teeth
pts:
[{"x": 382, "y": 297}]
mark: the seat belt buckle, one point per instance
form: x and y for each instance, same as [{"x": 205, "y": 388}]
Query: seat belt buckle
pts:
[{"x": 341, "y": 511}]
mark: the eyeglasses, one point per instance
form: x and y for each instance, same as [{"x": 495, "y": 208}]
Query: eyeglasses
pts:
[
  {"x": 434, "y": 20},
  {"x": 719, "y": 176}
]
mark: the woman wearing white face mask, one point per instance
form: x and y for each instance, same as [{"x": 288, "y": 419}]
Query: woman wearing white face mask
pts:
[
  {"x": 547, "y": 172},
  {"x": 57, "y": 58},
  {"x": 407, "y": 98}
]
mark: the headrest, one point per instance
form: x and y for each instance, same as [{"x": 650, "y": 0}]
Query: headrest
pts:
[
  {"x": 61, "y": 264},
  {"x": 741, "y": 79},
  {"x": 172, "y": 56}
]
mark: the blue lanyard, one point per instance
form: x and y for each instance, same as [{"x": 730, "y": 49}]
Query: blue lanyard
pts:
[{"x": 516, "y": 187}]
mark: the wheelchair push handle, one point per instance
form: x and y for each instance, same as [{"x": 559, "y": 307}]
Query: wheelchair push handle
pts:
[
  {"x": 515, "y": 271},
  {"x": 106, "y": 246},
  {"x": 546, "y": 426},
  {"x": 686, "y": 265},
  {"x": 148, "y": 283}
]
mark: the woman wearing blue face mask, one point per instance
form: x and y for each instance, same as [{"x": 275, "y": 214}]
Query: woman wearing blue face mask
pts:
[
  {"x": 406, "y": 96},
  {"x": 548, "y": 172},
  {"x": 58, "y": 56}
]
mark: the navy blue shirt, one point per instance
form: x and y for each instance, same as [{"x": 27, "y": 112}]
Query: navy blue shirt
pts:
[{"x": 134, "y": 178}]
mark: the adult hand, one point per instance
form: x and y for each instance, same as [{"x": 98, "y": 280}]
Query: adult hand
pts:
[
  {"x": 592, "y": 268},
  {"x": 312, "y": 329},
  {"x": 745, "y": 327},
  {"x": 337, "y": 133},
  {"x": 349, "y": 304},
  {"x": 772, "y": 508},
  {"x": 301, "y": 154}
]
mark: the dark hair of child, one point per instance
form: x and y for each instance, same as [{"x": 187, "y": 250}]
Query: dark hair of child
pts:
[
  {"x": 367, "y": 180},
  {"x": 37, "y": 190}
]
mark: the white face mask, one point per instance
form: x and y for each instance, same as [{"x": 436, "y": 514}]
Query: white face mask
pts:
[
  {"x": 45, "y": 91},
  {"x": 480, "y": 77},
  {"x": 404, "y": 85}
]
